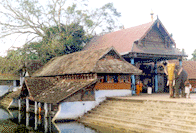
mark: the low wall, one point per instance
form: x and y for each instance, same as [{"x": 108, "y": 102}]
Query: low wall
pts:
[{"x": 73, "y": 110}]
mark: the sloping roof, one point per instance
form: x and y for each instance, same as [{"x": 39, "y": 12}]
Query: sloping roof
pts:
[
  {"x": 124, "y": 41},
  {"x": 54, "y": 89},
  {"x": 9, "y": 77},
  {"x": 85, "y": 62},
  {"x": 188, "y": 66},
  {"x": 114, "y": 66},
  {"x": 31, "y": 66}
]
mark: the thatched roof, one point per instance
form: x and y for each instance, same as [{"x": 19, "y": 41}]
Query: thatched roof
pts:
[
  {"x": 31, "y": 66},
  {"x": 54, "y": 89},
  {"x": 86, "y": 62}
]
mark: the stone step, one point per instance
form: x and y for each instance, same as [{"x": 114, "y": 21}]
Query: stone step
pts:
[
  {"x": 149, "y": 116},
  {"x": 148, "y": 122},
  {"x": 147, "y": 108},
  {"x": 146, "y": 127},
  {"x": 113, "y": 127},
  {"x": 176, "y": 106},
  {"x": 134, "y": 110},
  {"x": 118, "y": 114}
]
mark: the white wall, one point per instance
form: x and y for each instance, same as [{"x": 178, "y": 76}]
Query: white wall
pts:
[{"x": 73, "y": 110}]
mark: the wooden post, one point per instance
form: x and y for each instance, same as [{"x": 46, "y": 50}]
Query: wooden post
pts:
[
  {"x": 133, "y": 78},
  {"x": 50, "y": 107},
  {"x": 180, "y": 62},
  {"x": 46, "y": 124},
  {"x": 39, "y": 107},
  {"x": 46, "y": 109},
  {"x": 35, "y": 107},
  {"x": 19, "y": 116},
  {"x": 27, "y": 104},
  {"x": 35, "y": 122},
  {"x": 156, "y": 77},
  {"x": 27, "y": 119},
  {"x": 19, "y": 104}
]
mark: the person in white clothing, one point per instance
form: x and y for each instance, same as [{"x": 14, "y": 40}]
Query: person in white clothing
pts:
[{"x": 187, "y": 89}]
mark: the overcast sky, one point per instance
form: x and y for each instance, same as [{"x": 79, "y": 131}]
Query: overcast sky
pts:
[{"x": 178, "y": 17}]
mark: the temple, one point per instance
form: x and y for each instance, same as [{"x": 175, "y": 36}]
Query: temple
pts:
[{"x": 143, "y": 46}]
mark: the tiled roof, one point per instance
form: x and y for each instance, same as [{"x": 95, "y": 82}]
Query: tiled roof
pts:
[
  {"x": 122, "y": 40},
  {"x": 125, "y": 40},
  {"x": 54, "y": 89}
]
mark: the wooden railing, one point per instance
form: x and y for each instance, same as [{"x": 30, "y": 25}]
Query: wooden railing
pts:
[{"x": 112, "y": 86}]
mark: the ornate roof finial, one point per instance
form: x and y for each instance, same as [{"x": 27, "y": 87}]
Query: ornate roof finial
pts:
[{"x": 151, "y": 15}]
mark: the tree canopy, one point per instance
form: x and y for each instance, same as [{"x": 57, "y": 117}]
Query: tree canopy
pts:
[
  {"x": 51, "y": 28},
  {"x": 33, "y": 18},
  {"x": 194, "y": 55}
]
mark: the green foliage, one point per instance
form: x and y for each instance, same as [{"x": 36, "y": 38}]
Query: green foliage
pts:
[
  {"x": 194, "y": 55},
  {"x": 53, "y": 28}
]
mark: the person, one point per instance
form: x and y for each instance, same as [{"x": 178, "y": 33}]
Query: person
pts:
[
  {"x": 139, "y": 87},
  {"x": 187, "y": 89}
]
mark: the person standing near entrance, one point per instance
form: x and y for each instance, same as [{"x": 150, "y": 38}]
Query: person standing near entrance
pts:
[
  {"x": 187, "y": 89},
  {"x": 139, "y": 87}
]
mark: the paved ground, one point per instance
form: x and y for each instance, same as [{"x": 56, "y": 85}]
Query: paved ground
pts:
[{"x": 161, "y": 97}]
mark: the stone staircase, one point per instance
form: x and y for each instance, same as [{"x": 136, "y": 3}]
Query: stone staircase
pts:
[{"x": 148, "y": 116}]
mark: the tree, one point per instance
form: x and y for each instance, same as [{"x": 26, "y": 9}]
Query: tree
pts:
[
  {"x": 52, "y": 28},
  {"x": 194, "y": 55},
  {"x": 33, "y": 19},
  {"x": 60, "y": 44}
]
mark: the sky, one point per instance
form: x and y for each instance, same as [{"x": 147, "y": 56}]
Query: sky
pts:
[{"x": 178, "y": 17}]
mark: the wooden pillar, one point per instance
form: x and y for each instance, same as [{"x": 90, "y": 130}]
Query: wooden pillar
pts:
[
  {"x": 27, "y": 104},
  {"x": 19, "y": 116},
  {"x": 156, "y": 77},
  {"x": 19, "y": 104},
  {"x": 35, "y": 122},
  {"x": 180, "y": 62},
  {"x": 27, "y": 119},
  {"x": 46, "y": 124},
  {"x": 39, "y": 107},
  {"x": 35, "y": 107},
  {"x": 133, "y": 78},
  {"x": 46, "y": 109},
  {"x": 50, "y": 108}
]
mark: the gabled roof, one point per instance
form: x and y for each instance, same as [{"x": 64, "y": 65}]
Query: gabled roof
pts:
[
  {"x": 54, "y": 89},
  {"x": 86, "y": 62},
  {"x": 125, "y": 40},
  {"x": 188, "y": 66},
  {"x": 122, "y": 40}
]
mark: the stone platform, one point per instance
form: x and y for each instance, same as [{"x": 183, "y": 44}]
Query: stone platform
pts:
[
  {"x": 158, "y": 97},
  {"x": 155, "y": 113}
]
